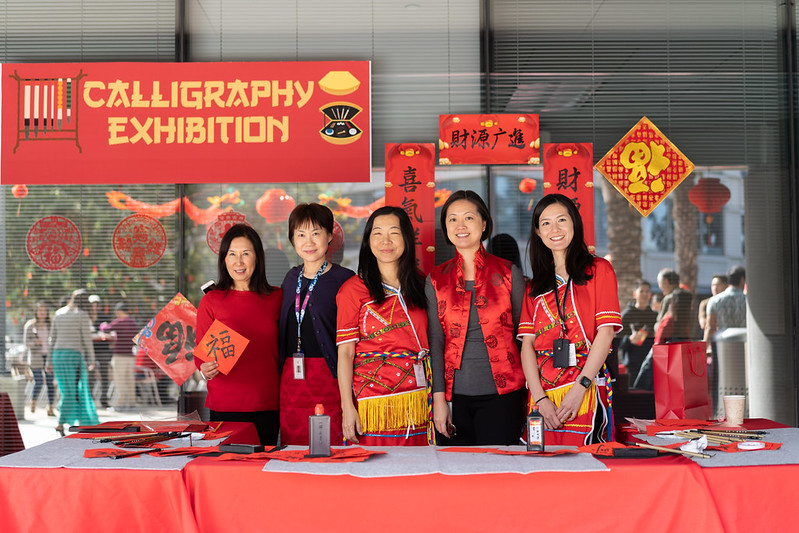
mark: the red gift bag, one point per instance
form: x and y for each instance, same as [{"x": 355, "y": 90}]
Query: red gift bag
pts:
[{"x": 680, "y": 373}]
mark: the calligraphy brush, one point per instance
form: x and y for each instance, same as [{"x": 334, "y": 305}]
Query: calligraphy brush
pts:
[{"x": 674, "y": 450}]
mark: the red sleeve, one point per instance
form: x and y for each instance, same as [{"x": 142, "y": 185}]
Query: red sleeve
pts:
[
  {"x": 205, "y": 317},
  {"x": 607, "y": 296},
  {"x": 348, "y": 302},
  {"x": 527, "y": 319}
]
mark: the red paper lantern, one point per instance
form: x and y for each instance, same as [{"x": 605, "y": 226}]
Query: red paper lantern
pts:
[
  {"x": 527, "y": 185},
  {"x": 709, "y": 195},
  {"x": 19, "y": 191},
  {"x": 338, "y": 239},
  {"x": 275, "y": 205}
]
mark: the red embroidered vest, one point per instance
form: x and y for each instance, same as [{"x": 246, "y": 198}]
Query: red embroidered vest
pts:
[{"x": 492, "y": 288}]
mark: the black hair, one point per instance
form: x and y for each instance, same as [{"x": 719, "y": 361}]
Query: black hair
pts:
[
  {"x": 505, "y": 246},
  {"x": 639, "y": 282},
  {"x": 411, "y": 280},
  {"x": 314, "y": 214},
  {"x": 736, "y": 274},
  {"x": 671, "y": 276},
  {"x": 41, "y": 303},
  {"x": 722, "y": 278},
  {"x": 482, "y": 210},
  {"x": 578, "y": 258},
  {"x": 80, "y": 300},
  {"x": 258, "y": 282}
]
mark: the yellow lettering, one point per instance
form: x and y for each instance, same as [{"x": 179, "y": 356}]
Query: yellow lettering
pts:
[
  {"x": 260, "y": 89},
  {"x": 237, "y": 130},
  {"x": 87, "y": 97},
  {"x": 224, "y": 122},
  {"x": 305, "y": 94},
  {"x": 195, "y": 131},
  {"x": 260, "y": 124},
  {"x": 136, "y": 99},
  {"x": 119, "y": 94},
  {"x": 191, "y": 94},
  {"x": 116, "y": 125},
  {"x": 141, "y": 131},
  {"x": 237, "y": 95},
  {"x": 210, "y": 129},
  {"x": 282, "y": 125},
  {"x": 173, "y": 101},
  {"x": 160, "y": 129},
  {"x": 213, "y": 93},
  {"x": 288, "y": 92},
  {"x": 157, "y": 100},
  {"x": 181, "y": 128}
]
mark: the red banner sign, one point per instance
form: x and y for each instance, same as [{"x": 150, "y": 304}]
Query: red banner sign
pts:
[
  {"x": 411, "y": 184},
  {"x": 185, "y": 122},
  {"x": 169, "y": 339},
  {"x": 488, "y": 140},
  {"x": 569, "y": 170},
  {"x": 645, "y": 166}
]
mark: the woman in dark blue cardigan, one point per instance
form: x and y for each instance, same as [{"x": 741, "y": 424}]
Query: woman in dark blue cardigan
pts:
[{"x": 308, "y": 360}]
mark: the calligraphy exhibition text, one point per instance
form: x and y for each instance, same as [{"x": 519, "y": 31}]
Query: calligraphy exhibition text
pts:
[{"x": 156, "y": 128}]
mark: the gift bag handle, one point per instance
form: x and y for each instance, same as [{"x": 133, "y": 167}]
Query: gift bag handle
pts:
[{"x": 703, "y": 364}]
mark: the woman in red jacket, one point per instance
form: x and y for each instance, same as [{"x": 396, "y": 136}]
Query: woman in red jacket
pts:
[{"x": 244, "y": 301}]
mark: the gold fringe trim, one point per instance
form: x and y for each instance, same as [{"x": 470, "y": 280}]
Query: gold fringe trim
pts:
[
  {"x": 556, "y": 395},
  {"x": 398, "y": 411}
]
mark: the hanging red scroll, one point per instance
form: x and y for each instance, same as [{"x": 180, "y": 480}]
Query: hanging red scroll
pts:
[
  {"x": 645, "y": 166},
  {"x": 568, "y": 170},
  {"x": 410, "y": 184},
  {"x": 488, "y": 140}
]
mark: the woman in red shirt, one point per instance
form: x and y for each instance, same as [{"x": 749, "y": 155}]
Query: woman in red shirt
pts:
[
  {"x": 244, "y": 301},
  {"x": 567, "y": 325},
  {"x": 381, "y": 333}
]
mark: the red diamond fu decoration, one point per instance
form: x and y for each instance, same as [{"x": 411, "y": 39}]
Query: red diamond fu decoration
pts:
[{"x": 644, "y": 166}]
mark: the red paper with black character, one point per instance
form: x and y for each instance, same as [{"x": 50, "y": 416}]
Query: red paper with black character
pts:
[
  {"x": 569, "y": 170},
  {"x": 169, "y": 339},
  {"x": 221, "y": 345},
  {"x": 681, "y": 389},
  {"x": 411, "y": 185},
  {"x": 488, "y": 140}
]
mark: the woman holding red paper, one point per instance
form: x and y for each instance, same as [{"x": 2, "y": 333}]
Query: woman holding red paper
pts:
[
  {"x": 381, "y": 333},
  {"x": 308, "y": 356},
  {"x": 244, "y": 301},
  {"x": 567, "y": 325}
]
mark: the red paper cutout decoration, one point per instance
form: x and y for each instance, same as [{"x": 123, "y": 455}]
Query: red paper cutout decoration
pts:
[
  {"x": 217, "y": 230},
  {"x": 275, "y": 205},
  {"x": 53, "y": 243},
  {"x": 139, "y": 241},
  {"x": 709, "y": 195}
]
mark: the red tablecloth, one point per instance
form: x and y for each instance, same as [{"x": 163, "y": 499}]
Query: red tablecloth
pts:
[
  {"x": 667, "y": 494},
  {"x": 71, "y": 499}
]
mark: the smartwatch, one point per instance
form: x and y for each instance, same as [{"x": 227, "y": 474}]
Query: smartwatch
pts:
[{"x": 585, "y": 382}]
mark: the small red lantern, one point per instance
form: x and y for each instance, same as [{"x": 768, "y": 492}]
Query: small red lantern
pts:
[
  {"x": 275, "y": 205},
  {"x": 527, "y": 185},
  {"x": 337, "y": 241},
  {"x": 19, "y": 191},
  {"x": 709, "y": 195}
]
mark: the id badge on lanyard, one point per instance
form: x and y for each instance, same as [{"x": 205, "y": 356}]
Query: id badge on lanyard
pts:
[
  {"x": 298, "y": 357},
  {"x": 564, "y": 353}
]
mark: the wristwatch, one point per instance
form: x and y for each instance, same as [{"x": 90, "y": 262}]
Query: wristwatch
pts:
[{"x": 585, "y": 382}]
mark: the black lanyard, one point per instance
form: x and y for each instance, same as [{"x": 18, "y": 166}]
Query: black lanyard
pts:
[{"x": 562, "y": 314}]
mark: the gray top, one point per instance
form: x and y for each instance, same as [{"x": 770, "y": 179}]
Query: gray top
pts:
[
  {"x": 474, "y": 377},
  {"x": 72, "y": 330}
]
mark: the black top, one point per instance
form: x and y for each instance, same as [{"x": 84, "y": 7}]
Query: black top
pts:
[{"x": 319, "y": 325}]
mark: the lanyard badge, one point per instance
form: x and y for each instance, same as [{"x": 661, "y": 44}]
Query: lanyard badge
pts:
[
  {"x": 563, "y": 352},
  {"x": 299, "y": 312}
]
